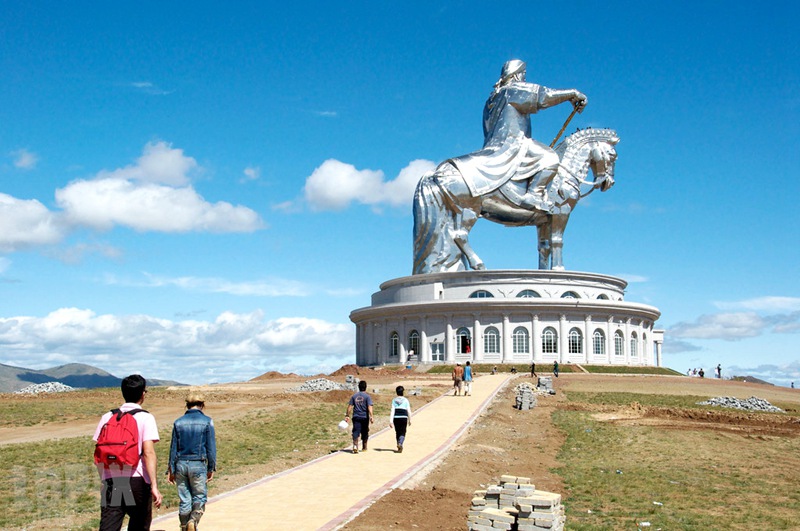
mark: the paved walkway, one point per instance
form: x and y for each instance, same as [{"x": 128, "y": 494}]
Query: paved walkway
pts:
[{"x": 330, "y": 491}]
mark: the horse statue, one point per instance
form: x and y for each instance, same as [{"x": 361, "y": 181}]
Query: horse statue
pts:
[{"x": 445, "y": 211}]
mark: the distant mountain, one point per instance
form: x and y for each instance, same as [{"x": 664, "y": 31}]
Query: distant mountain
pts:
[
  {"x": 72, "y": 374},
  {"x": 751, "y": 379}
]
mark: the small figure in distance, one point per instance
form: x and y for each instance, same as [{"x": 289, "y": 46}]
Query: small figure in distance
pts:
[
  {"x": 458, "y": 378},
  {"x": 360, "y": 406},
  {"x": 555, "y": 368},
  {"x": 533, "y": 369},
  {"x": 468, "y": 377},
  {"x": 400, "y": 417}
]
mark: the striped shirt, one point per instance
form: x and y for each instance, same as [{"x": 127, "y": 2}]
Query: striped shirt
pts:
[{"x": 401, "y": 408}]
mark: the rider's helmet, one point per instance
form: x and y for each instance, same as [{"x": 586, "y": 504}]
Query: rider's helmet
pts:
[{"x": 510, "y": 69}]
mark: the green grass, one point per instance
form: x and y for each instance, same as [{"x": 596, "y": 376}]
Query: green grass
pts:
[
  {"x": 55, "y": 407},
  {"x": 54, "y": 478},
  {"x": 614, "y": 474},
  {"x": 615, "y": 369}
]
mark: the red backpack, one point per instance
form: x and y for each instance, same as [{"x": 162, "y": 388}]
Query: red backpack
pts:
[{"x": 118, "y": 442}]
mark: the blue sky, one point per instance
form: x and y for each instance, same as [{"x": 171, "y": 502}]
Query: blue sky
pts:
[{"x": 204, "y": 192}]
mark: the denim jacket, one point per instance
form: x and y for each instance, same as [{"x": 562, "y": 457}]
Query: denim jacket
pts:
[{"x": 193, "y": 439}]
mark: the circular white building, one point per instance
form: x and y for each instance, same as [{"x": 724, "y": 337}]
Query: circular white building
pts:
[{"x": 506, "y": 316}]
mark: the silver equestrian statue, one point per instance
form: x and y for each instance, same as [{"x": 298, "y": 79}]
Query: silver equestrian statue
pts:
[{"x": 514, "y": 180}]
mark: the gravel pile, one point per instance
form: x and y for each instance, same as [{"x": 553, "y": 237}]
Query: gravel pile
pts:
[
  {"x": 751, "y": 404},
  {"x": 322, "y": 384},
  {"x": 47, "y": 387}
]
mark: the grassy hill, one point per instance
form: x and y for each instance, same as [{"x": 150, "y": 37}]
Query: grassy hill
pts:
[{"x": 72, "y": 374}]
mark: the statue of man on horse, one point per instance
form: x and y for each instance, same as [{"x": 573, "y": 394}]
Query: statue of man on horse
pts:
[
  {"x": 509, "y": 152},
  {"x": 511, "y": 180}
]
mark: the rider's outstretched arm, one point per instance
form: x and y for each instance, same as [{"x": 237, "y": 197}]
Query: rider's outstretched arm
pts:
[{"x": 549, "y": 97}]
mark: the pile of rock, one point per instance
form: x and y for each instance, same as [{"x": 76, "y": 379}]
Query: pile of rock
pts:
[
  {"x": 525, "y": 396},
  {"x": 515, "y": 505},
  {"x": 322, "y": 384},
  {"x": 47, "y": 387},
  {"x": 751, "y": 404},
  {"x": 545, "y": 385}
]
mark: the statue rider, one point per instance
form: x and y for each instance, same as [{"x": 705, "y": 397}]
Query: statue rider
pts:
[{"x": 509, "y": 153}]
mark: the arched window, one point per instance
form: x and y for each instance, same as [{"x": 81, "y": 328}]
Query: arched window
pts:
[
  {"x": 570, "y": 295},
  {"x": 481, "y": 294},
  {"x": 521, "y": 340},
  {"x": 599, "y": 343},
  {"x": 619, "y": 344},
  {"x": 463, "y": 341},
  {"x": 413, "y": 343},
  {"x": 634, "y": 350},
  {"x": 602, "y": 297},
  {"x": 528, "y": 294},
  {"x": 395, "y": 348},
  {"x": 549, "y": 341},
  {"x": 575, "y": 341},
  {"x": 491, "y": 341}
]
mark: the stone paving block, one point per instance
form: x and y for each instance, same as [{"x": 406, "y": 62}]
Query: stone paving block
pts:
[
  {"x": 497, "y": 515},
  {"x": 508, "y": 479}
]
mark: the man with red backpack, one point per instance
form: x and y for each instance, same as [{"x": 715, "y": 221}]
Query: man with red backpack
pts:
[{"x": 126, "y": 459}]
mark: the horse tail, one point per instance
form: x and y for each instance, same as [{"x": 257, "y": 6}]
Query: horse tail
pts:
[{"x": 426, "y": 196}]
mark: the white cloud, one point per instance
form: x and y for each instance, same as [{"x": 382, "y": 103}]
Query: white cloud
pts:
[
  {"x": 252, "y": 173},
  {"x": 728, "y": 326},
  {"x": 787, "y": 304},
  {"x": 27, "y": 223},
  {"x": 24, "y": 159},
  {"x": 631, "y": 278},
  {"x": 159, "y": 163},
  {"x": 103, "y": 203},
  {"x": 334, "y": 185},
  {"x": 274, "y": 287},
  {"x": 232, "y": 347},
  {"x": 149, "y": 87}
]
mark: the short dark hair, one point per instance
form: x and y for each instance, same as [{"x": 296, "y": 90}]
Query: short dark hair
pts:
[
  {"x": 400, "y": 390},
  {"x": 133, "y": 388},
  {"x": 362, "y": 385}
]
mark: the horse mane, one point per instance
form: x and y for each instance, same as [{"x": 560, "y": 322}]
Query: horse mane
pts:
[{"x": 584, "y": 136}]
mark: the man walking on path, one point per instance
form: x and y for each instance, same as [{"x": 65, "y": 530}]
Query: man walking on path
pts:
[
  {"x": 458, "y": 378},
  {"x": 555, "y": 368},
  {"x": 533, "y": 369},
  {"x": 360, "y": 406},
  {"x": 131, "y": 490},
  {"x": 467, "y": 379},
  {"x": 400, "y": 417},
  {"x": 192, "y": 460}
]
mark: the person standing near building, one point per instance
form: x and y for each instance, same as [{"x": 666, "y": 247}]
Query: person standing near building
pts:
[
  {"x": 360, "y": 406},
  {"x": 131, "y": 490},
  {"x": 400, "y": 417},
  {"x": 192, "y": 460},
  {"x": 458, "y": 378},
  {"x": 555, "y": 368},
  {"x": 533, "y": 369},
  {"x": 468, "y": 379}
]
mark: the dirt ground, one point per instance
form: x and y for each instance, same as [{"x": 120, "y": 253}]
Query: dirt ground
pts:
[{"x": 502, "y": 441}]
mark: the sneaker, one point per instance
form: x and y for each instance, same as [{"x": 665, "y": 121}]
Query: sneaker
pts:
[
  {"x": 399, "y": 448},
  {"x": 191, "y": 526},
  {"x": 355, "y": 448},
  {"x": 364, "y": 447}
]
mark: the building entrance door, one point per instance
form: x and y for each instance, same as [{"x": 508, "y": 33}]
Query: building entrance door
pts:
[{"x": 437, "y": 351}]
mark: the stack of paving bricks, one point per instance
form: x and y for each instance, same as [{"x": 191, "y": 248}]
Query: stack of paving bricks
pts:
[
  {"x": 515, "y": 505},
  {"x": 545, "y": 383},
  {"x": 525, "y": 396}
]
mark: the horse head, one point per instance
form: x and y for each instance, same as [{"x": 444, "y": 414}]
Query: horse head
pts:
[{"x": 584, "y": 150}]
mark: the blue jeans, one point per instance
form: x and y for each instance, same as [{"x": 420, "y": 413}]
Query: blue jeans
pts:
[{"x": 191, "y": 477}]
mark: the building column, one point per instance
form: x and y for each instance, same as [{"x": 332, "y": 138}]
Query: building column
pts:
[
  {"x": 627, "y": 342},
  {"x": 402, "y": 353},
  {"x": 587, "y": 338},
  {"x": 477, "y": 340},
  {"x": 449, "y": 351},
  {"x": 563, "y": 351},
  {"x": 536, "y": 340},
  {"x": 609, "y": 341},
  {"x": 505, "y": 336},
  {"x": 425, "y": 351}
]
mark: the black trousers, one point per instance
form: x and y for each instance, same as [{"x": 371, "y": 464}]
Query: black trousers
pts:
[{"x": 126, "y": 495}]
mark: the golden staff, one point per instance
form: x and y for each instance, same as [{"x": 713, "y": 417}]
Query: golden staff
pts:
[{"x": 553, "y": 143}]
